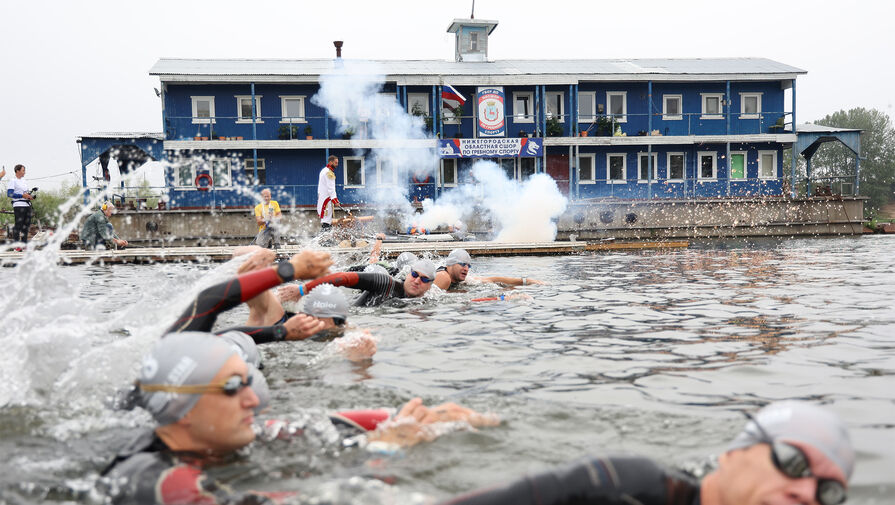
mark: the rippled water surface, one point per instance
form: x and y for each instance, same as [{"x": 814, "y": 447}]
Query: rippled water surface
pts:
[{"x": 644, "y": 352}]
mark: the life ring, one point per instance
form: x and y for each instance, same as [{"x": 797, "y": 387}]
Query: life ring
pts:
[
  {"x": 203, "y": 177},
  {"x": 423, "y": 182}
]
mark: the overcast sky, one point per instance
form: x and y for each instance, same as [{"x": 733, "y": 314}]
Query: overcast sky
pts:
[{"x": 75, "y": 68}]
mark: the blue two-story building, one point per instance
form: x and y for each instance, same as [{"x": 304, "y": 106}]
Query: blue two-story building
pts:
[{"x": 605, "y": 130}]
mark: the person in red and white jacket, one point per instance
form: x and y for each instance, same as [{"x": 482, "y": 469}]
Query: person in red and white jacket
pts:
[{"x": 326, "y": 193}]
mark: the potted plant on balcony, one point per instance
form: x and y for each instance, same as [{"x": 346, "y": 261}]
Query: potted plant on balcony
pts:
[
  {"x": 348, "y": 133},
  {"x": 604, "y": 126},
  {"x": 309, "y": 132},
  {"x": 287, "y": 132},
  {"x": 554, "y": 127}
]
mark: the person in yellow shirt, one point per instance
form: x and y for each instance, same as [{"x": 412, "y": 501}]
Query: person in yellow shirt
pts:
[{"x": 267, "y": 213}]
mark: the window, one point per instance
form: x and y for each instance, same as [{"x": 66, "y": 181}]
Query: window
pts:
[
  {"x": 449, "y": 172},
  {"x": 643, "y": 167},
  {"x": 184, "y": 175},
  {"x": 386, "y": 172},
  {"x": 418, "y": 103},
  {"x": 708, "y": 164},
  {"x": 738, "y": 164},
  {"x": 220, "y": 173},
  {"x": 555, "y": 105},
  {"x": 676, "y": 164},
  {"x": 203, "y": 109},
  {"x": 522, "y": 107},
  {"x": 767, "y": 164},
  {"x": 587, "y": 107},
  {"x": 509, "y": 167},
  {"x": 750, "y": 105},
  {"x": 473, "y": 41},
  {"x": 618, "y": 105},
  {"x": 526, "y": 167},
  {"x": 585, "y": 168},
  {"x": 353, "y": 171},
  {"x": 292, "y": 109},
  {"x": 250, "y": 171},
  {"x": 711, "y": 106},
  {"x": 244, "y": 109},
  {"x": 615, "y": 168},
  {"x": 671, "y": 107}
]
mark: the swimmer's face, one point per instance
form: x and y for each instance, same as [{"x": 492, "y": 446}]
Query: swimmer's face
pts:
[
  {"x": 414, "y": 287},
  {"x": 458, "y": 271},
  {"x": 748, "y": 477},
  {"x": 222, "y": 423},
  {"x": 265, "y": 195}
]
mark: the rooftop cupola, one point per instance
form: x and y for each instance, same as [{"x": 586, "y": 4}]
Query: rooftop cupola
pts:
[{"x": 471, "y": 38}]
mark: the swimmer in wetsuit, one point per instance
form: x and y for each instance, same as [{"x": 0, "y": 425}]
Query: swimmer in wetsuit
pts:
[
  {"x": 202, "y": 390},
  {"x": 456, "y": 270},
  {"x": 377, "y": 287},
  {"x": 790, "y": 452}
]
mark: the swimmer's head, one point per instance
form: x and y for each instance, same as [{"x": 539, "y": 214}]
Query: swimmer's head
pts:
[
  {"x": 803, "y": 424},
  {"x": 404, "y": 259},
  {"x": 248, "y": 351},
  {"x": 375, "y": 268},
  {"x": 326, "y": 301},
  {"x": 180, "y": 360},
  {"x": 419, "y": 280},
  {"x": 457, "y": 265}
]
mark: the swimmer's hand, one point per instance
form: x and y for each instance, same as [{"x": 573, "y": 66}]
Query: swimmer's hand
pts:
[
  {"x": 289, "y": 293},
  {"x": 260, "y": 259},
  {"x": 357, "y": 347},
  {"x": 311, "y": 264},
  {"x": 415, "y": 423},
  {"x": 302, "y": 326}
]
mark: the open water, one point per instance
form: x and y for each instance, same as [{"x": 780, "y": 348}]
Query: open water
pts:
[{"x": 651, "y": 353}]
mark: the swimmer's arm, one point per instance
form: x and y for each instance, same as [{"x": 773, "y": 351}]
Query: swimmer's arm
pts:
[
  {"x": 509, "y": 281},
  {"x": 377, "y": 249},
  {"x": 297, "y": 327},
  {"x": 366, "y": 281}
]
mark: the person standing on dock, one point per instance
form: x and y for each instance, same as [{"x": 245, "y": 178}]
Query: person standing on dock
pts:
[
  {"x": 267, "y": 213},
  {"x": 456, "y": 270},
  {"x": 21, "y": 196},
  {"x": 326, "y": 193},
  {"x": 98, "y": 231}
]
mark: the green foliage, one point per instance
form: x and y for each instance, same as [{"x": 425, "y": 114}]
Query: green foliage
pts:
[
  {"x": 47, "y": 206},
  {"x": 287, "y": 132},
  {"x": 554, "y": 127},
  {"x": 877, "y": 150}
]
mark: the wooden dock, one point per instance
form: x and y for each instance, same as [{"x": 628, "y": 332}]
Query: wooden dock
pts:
[{"x": 148, "y": 255}]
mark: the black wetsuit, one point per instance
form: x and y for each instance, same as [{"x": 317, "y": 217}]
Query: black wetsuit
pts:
[
  {"x": 391, "y": 269},
  {"x": 597, "y": 481},
  {"x": 376, "y": 287},
  {"x": 202, "y": 313}
]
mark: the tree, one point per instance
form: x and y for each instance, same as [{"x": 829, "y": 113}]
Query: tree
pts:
[{"x": 877, "y": 151}]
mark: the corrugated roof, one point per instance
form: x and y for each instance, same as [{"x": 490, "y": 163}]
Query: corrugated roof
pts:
[
  {"x": 627, "y": 67},
  {"x": 124, "y": 135},
  {"x": 817, "y": 128}
]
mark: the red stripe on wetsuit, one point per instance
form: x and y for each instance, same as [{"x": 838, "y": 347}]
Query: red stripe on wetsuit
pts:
[{"x": 347, "y": 279}]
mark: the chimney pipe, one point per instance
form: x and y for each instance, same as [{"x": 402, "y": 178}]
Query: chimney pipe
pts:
[{"x": 338, "y": 44}]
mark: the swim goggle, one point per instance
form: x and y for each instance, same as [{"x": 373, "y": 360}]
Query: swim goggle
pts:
[
  {"x": 415, "y": 274},
  {"x": 339, "y": 321},
  {"x": 467, "y": 265},
  {"x": 230, "y": 387},
  {"x": 792, "y": 462}
]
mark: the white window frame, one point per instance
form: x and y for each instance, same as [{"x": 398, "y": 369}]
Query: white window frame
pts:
[
  {"x": 593, "y": 168},
  {"x": 624, "y": 179},
  {"x": 214, "y": 180},
  {"x": 745, "y": 166},
  {"x": 293, "y": 119},
  {"x": 192, "y": 181},
  {"x": 705, "y": 97},
  {"x": 760, "y": 176},
  {"x": 455, "y": 163},
  {"x": 261, "y": 168},
  {"x": 410, "y": 101},
  {"x": 668, "y": 156},
  {"x": 530, "y": 118},
  {"x": 655, "y": 166},
  {"x": 714, "y": 155},
  {"x": 593, "y": 108},
  {"x": 624, "y": 95},
  {"x": 550, "y": 96},
  {"x": 379, "y": 174},
  {"x": 203, "y": 120},
  {"x": 363, "y": 180},
  {"x": 247, "y": 120},
  {"x": 680, "y": 102},
  {"x": 743, "y": 114}
]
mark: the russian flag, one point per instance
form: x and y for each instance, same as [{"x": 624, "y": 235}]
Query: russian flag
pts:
[{"x": 450, "y": 97}]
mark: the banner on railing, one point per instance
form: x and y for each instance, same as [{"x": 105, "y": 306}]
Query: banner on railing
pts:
[
  {"x": 492, "y": 121},
  {"x": 491, "y": 148}
]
